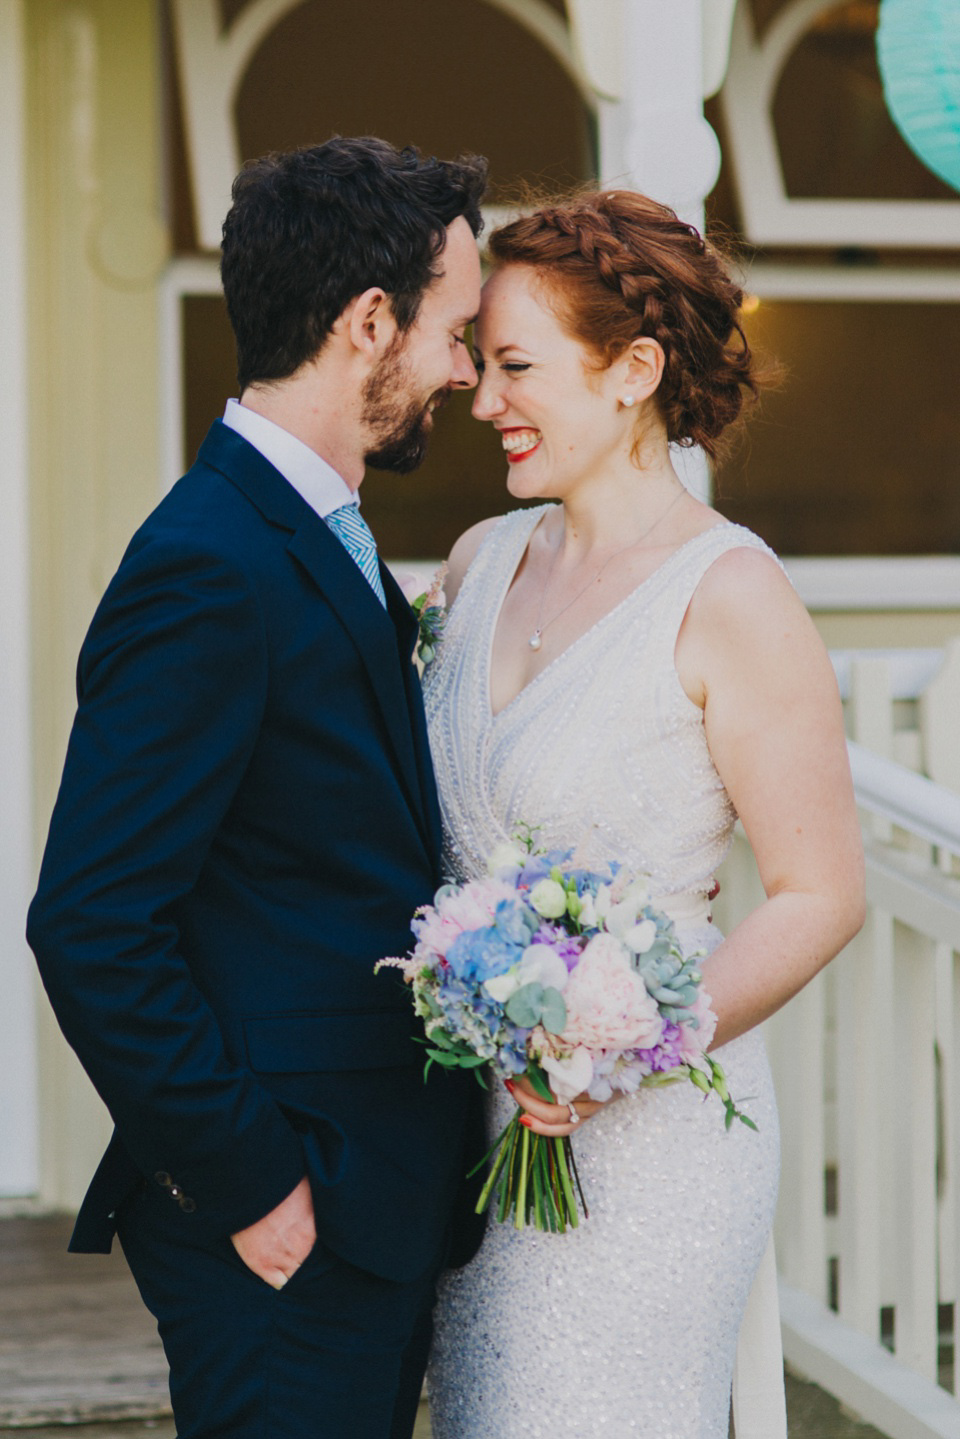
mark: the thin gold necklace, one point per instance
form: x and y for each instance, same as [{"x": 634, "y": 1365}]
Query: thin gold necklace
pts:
[{"x": 536, "y": 639}]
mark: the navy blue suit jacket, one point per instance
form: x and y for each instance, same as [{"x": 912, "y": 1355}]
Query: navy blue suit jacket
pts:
[{"x": 247, "y": 821}]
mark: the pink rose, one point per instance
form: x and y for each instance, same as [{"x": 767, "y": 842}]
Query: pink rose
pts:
[{"x": 608, "y": 1006}]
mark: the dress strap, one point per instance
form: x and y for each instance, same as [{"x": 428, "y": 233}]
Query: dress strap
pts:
[{"x": 693, "y": 561}]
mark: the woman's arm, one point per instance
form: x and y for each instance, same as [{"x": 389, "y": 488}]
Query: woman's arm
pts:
[{"x": 749, "y": 653}]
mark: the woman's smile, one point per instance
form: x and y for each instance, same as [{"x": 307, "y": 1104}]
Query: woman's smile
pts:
[{"x": 520, "y": 442}]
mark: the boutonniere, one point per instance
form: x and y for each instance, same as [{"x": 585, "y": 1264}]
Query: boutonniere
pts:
[{"x": 430, "y": 611}]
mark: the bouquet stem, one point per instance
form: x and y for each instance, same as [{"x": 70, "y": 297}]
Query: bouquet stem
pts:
[{"x": 534, "y": 1178}]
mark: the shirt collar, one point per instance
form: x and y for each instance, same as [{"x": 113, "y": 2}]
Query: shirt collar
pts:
[{"x": 313, "y": 479}]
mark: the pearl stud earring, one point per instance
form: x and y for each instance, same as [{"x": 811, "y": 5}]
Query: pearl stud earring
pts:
[{"x": 628, "y": 401}]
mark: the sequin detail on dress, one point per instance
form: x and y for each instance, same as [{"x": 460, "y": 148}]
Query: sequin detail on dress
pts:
[{"x": 628, "y": 1326}]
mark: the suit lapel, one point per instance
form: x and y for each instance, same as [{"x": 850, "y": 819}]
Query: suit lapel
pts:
[
  {"x": 362, "y": 615},
  {"x": 337, "y": 576},
  {"x": 409, "y": 633}
]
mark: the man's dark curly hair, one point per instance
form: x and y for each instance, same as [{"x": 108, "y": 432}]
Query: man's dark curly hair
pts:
[{"x": 310, "y": 230}]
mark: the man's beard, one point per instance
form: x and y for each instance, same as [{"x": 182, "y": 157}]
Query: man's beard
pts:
[{"x": 400, "y": 426}]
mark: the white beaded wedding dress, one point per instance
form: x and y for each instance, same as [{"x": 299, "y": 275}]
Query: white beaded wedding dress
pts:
[{"x": 627, "y": 1326}]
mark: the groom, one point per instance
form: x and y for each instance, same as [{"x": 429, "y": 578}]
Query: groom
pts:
[{"x": 247, "y": 821}]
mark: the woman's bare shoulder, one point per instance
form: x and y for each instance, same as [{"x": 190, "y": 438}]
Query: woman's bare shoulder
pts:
[{"x": 464, "y": 553}]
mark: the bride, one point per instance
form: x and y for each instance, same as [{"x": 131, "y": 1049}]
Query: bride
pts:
[{"x": 631, "y": 672}]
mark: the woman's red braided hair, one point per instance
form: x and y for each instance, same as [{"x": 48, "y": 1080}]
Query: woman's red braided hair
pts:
[{"x": 616, "y": 265}]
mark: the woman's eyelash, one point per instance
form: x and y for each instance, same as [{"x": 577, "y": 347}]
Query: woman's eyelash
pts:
[{"x": 514, "y": 366}]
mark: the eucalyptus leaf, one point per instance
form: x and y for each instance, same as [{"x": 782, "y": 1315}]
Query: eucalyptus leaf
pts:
[
  {"x": 524, "y": 1007},
  {"x": 553, "y": 1012}
]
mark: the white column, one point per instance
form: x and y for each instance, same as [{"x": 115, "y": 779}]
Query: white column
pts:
[
  {"x": 18, "y": 1046},
  {"x": 655, "y": 138}
]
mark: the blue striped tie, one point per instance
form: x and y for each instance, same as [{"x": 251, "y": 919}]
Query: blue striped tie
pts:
[{"x": 353, "y": 532}]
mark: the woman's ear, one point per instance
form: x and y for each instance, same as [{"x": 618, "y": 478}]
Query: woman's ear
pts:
[
  {"x": 641, "y": 370},
  {"x": 369, "y": 323}
]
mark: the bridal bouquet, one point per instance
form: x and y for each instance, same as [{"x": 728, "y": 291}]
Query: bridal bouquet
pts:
[{"x": 574, "y": 979}]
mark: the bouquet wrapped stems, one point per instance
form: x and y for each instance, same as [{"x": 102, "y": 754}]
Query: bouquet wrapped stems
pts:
[{"x": 534, "y": 1173}]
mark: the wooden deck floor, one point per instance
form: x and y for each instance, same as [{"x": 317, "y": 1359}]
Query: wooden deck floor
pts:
[{"x": 77, "y": 1348}]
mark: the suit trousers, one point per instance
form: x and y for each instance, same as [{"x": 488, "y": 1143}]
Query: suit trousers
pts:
[{"x": 338, "y": 1353}]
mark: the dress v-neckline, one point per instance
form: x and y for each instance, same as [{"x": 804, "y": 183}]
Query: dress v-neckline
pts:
[{"x": 492, "y": 715}]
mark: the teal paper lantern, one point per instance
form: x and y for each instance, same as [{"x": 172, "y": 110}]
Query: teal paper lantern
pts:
[{"x": 918, "y": 50}]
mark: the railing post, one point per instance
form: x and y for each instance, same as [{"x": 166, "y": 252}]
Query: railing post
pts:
[
  {"x": 911, "y": 1068},
  {"x": 801, "y": 1240},
  {"x": 864, "y": 975},
  {"x": 939, "y": 709}
]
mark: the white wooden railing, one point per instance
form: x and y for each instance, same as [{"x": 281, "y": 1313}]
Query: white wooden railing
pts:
[{"x": 867, "y": 1066}]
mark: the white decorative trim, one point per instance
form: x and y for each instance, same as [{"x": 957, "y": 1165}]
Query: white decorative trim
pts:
[
  {"x": 717, "y": 22},
  {"x": 194, "y": 276},
  {"x": 770, "y": 216},
  {"x": 871, "y": 284},
  {"x": 18, "y": 1039},
  {"x": 212, "y": 64},
  {"x": 876, "y": 582}
]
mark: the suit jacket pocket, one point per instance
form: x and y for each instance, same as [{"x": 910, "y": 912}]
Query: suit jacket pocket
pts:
[{"x": 333, "y": 1042}]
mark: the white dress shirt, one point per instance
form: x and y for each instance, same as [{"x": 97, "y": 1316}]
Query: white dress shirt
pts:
[{"x": 312, "y": 478}]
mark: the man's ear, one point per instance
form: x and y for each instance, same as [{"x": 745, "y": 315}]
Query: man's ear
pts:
[{"x": 368, "y": 322}]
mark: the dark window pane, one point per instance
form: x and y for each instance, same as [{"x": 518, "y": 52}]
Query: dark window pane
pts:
[{"x": 859, "y": 452}]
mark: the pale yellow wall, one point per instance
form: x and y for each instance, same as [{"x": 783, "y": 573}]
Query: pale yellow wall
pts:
[
  {"x": 96, "y": 246},
  {"x": 887, "y": 629}
]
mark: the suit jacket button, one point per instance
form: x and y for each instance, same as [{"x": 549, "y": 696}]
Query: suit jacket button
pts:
[
  {"x": 163, "y": 1178},
  {"x": 187, "y": 1204}
]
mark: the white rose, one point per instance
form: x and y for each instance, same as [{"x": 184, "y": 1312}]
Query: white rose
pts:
[
  {"x": 621, "y": 918},
  {"x": 549, "y": 898},
  {"x": 502, "y": 986},
  {"x": 588, "y": 912},
  {"x": 641, "y": 937},
  {"x": 506, "y": 855},
  {"x": 541, "y": 965},
  {"x": 637, "y": 894},
  {"x": 624, "y": 915},
  {"x": 569, "y": 1077}
]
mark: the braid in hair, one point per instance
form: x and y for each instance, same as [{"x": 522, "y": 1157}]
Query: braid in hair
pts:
[{"x": 617, "y": 265}]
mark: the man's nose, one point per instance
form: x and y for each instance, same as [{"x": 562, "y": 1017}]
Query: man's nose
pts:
[{"x": 464, "y": 370}]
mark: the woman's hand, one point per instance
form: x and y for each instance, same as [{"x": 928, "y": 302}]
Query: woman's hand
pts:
[{"x": 552, "y": 1120}]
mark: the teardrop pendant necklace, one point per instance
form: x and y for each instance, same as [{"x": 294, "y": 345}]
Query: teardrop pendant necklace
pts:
[{"x": 536, "y": 639}]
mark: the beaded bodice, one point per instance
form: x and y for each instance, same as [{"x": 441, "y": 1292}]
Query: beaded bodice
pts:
[{"x": 603, "y": 749}]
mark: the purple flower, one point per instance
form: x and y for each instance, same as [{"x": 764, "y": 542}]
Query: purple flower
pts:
[
  {"x": 568, "y": 946},
  {"x": 667, "y": 1053}
]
